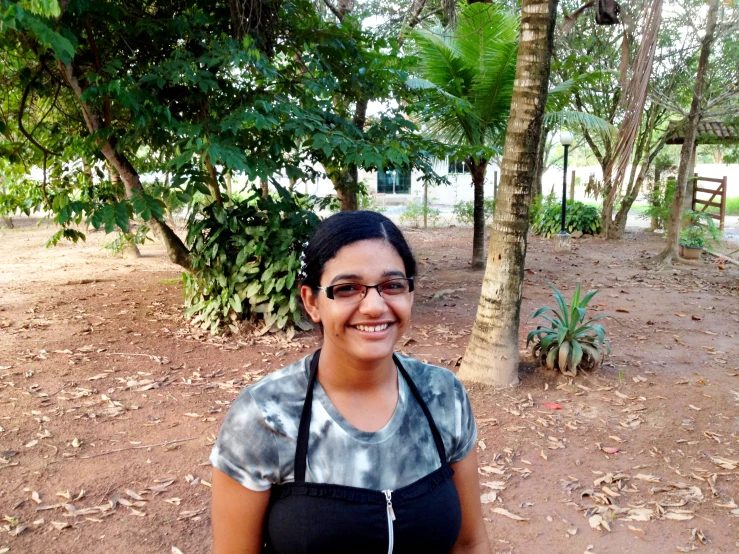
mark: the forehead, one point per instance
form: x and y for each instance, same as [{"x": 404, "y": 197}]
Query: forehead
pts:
[{"x": 365, "y": 259}]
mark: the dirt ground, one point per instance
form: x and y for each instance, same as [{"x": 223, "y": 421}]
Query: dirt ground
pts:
[{"x": 109, "y": 404}]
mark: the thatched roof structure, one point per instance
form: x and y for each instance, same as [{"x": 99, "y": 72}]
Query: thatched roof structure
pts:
[{"x": 709, "y": 132}]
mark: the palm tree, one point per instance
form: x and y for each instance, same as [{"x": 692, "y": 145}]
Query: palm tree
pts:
[
  {"x": 468, "y": 73},
  {"x": 492, "y": 353}
]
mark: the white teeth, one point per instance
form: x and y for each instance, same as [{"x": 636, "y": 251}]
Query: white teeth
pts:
[{"x": 372, "y": 329}]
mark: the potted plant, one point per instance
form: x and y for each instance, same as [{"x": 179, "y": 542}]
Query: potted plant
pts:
[
  {"x": 569, "y": 343},
  {"x": 699, "y": 230}
]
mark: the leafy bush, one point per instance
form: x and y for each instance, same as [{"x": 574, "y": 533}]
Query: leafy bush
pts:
[
  {"x": 580, "y": 217},
  {"x": 698, "y": 230},
  {"x": 465, "y": 211},
  {"x": 569, "y": 343},
  {"x": 246, "y": 258},
  {"x": 538, "y": 204},
  {"x": 413, "y": 215},
  {"x": 660, "y": 200}
]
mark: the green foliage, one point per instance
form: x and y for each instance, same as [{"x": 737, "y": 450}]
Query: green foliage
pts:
[
  {"x": 732, "y": 207},
  {"x": 699, "y": 230},
  {"x": 568, "y": 341},
  {"x": 246, "y": 259},
  {"x": 464, "y": 211},
  {"x": 660, "y": 201},
  {"x": 124, "y": 240},
  {"x": 414, "y": 212},
  {"x": 580, "y": 217},
  {"x": 538, "y": 204},
  {"x": 369, "y": 202}
]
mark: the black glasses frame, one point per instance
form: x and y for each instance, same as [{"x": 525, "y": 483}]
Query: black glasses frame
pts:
[{"x": 329, "y": 291}]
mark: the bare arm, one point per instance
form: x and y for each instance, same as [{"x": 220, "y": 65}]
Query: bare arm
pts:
[
  {"x": 237, "y": 516},
  {"x": 473, "y": 538}
]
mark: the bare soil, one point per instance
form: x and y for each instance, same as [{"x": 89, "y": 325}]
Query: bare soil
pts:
[{"x": 109, "y": 403}]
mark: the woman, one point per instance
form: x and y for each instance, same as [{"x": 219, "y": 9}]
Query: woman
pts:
[{"x": 351, "y": 449}]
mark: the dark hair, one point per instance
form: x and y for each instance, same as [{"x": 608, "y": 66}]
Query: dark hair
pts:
[{"x": 345, "y": 228}]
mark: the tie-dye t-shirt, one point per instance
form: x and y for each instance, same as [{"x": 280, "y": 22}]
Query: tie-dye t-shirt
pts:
[{"x": 256, "y": 445}]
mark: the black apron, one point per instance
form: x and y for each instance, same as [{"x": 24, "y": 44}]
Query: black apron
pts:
[{"x": 307, "y": 518}]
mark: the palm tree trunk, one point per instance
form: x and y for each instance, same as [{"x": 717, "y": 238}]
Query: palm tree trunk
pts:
[
  {"x": 477, "y": 170},
  {"x": 690, "y": 131},
  {"x": 492, "y": 353}
]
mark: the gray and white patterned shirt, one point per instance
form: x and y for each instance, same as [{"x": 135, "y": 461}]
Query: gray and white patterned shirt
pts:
[{"x": 257, "y": 442}]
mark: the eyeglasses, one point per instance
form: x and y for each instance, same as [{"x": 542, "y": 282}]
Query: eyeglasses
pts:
[{"x": 354, "y": 292}]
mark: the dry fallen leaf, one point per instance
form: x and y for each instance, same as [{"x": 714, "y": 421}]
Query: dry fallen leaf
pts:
[
  {"x": 488, "y": 497},
  {"x": 176, "y": 550},
  {"x": 35, "y": 497},
  {"x": 506, "y": 513}
]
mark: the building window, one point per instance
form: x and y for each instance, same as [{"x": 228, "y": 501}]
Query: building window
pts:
[
  {"x": 458, "y": 166},
  {"x": 394, "y": 181}
]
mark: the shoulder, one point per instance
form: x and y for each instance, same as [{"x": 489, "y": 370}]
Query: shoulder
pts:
[
  {"x": 433, "y": 382},
  {"x": 278, "y": 397}
]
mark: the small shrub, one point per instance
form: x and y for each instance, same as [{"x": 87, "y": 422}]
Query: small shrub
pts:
[
  {"x": 369, "y": 202},
  {"x": 413, "y": 215},
  {"x": 569, "y": 343},
  {"x": 464, "y": 211},
  {"x": 246, "y": 258},
  {"x": 699, "y": 229},
  {"x": 579, "y": 217}
]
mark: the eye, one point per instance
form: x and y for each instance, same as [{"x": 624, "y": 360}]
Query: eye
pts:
[
  {"x": 347, "y": 290},
  {"x": 395, "y": 286}
]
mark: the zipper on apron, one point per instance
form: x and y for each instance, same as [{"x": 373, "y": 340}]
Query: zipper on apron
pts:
[{"x": 390, "y": 519}]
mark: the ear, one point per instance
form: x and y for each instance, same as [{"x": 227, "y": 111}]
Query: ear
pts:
[{"x": 310, "y": 301}]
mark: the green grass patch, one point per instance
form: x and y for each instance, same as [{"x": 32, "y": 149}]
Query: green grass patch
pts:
[
  {"x": 732, "y": 206},
  {"x": 173, "y": 281}
]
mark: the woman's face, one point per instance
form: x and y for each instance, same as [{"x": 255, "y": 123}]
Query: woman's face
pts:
[{"x": 347, "y": 326}]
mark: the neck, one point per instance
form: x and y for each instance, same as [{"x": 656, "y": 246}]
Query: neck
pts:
[{"x": 339, "y": 372}]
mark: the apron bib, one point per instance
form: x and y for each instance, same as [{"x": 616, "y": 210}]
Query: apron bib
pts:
[{"x": 317, "y": 518}]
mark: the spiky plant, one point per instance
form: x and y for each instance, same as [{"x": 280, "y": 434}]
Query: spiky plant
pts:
[{"x": 569, "y": 343}]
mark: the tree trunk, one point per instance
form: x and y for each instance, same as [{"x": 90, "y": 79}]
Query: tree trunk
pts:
[
  {"x": 477, "y": 171},
  {"x": 176, "y": 250},
  {"x": 690, "y": 130},
  {"x": 7, "y": 222},
  {"x": 265, "y": 188},
  {"x": 130, "y": 250},
  {"x": 213, "y": 185},
  {"x": 541, "y": 163},
  {"x": 492, "y": 354},
  {"x": 349, "y": 182},
  {"x": 346, "y": 189},
  {"x": 690, "y": 184}
]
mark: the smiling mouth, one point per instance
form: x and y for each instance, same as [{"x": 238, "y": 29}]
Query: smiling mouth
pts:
[{"x": 372, "y": 329}]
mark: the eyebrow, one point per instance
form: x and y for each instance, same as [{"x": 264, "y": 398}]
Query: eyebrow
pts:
[{"x": 349, "y": 276}]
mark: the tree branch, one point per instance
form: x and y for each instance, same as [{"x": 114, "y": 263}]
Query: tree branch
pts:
[{"x": 22, "y": 129}]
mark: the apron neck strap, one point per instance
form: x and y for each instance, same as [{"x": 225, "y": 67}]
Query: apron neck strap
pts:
[{"x": 301, "y": 452}]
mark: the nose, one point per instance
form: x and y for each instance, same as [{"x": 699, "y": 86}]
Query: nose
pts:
[{"x": 372, "y": 304}]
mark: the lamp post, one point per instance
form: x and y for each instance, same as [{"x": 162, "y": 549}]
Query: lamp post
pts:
[{"x": 562, "y": 240}]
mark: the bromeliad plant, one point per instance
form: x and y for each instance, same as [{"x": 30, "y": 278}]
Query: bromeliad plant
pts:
[{"x": 569, "y": 343}]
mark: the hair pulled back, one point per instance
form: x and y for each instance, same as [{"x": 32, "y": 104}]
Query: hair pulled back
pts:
[{"x": 345, "y": 228}]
